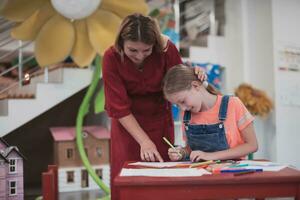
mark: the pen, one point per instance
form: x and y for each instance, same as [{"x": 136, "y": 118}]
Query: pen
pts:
[
  {"x": 239, "y": 170},
  {"x": 238, "y": 165},
  {"x": 171, "y": 145}
]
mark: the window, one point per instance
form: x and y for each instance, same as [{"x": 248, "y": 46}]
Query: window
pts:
[
  {"x": 12, "y": 165},
  {"x": 12, "y": 187},
  {"x": 99, "y": 172},
  {"x": 99, "y": 151},
  {"x": 70, "y": 153},
  {"x": 70, "y": 177}
]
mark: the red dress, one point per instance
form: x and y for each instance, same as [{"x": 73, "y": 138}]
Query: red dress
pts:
[{"x": 130, "y": 91}]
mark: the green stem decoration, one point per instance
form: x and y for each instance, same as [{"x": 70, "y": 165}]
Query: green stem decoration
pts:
[{"x": 83, "y": 110}]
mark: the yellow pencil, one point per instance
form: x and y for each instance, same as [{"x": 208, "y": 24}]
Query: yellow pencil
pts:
[
  {"x": 171, "y": 145},
  {"x": 201, "y": 163}
]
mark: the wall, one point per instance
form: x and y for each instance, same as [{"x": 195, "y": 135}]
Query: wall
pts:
[
  {"x": 286, "y": 29},
  {"x": 257, "y": 37},
  {"x": 246, "y": 52}
]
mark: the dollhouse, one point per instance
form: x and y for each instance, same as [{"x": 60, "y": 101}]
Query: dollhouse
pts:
[
  {"x": 72, "y": 175},
  {"x": 11, "y": 172}
]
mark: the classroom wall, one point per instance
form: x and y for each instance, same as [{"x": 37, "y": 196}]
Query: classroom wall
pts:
[
  {"x": 246, "y": 52},
  {"x": 257, "y": 40},
  {"x": 286, "y": 31}
]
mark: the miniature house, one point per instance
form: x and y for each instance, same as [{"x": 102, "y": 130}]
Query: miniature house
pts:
[
  {"x": 11, "y": 172},
  {"x": 72, "y": 175}
]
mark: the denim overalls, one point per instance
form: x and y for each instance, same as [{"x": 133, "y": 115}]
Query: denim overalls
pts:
[{"x": 207, "y": 138}]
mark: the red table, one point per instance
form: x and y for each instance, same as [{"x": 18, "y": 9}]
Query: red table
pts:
[{"x": 284, "y": 183}]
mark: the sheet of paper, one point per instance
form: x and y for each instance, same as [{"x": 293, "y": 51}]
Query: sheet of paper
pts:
[
  {"x": 160, "y": 164},
  {"x": 176, "y": 172},
  {"x": 265, "y": 165}
]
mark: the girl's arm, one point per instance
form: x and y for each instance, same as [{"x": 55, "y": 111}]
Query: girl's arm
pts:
[
  {"x": 148, "y": 149},
  {"x": 239, "y": 151}
]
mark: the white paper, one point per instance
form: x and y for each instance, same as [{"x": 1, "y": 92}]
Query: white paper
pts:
[
  {"x": 177, "y": 172},
  {"x": 264, "y": 165},
  {"x": 159, "y": 164}
]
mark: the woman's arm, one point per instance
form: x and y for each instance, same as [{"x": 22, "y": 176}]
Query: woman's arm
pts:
[
  {"x": 250, "y": 146},
  {"x": 148, "y": 149}
]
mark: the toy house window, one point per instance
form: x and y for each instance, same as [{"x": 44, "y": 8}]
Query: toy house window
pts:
[
  {"x": 12, "y": 188},
  {"x": 99, "y": 151},
  {"x": 70, "y": 177},
  {"x": 12, "y": 166},
  {"x": 99, "y": 173},
  {"x": 70, "y": 153}
]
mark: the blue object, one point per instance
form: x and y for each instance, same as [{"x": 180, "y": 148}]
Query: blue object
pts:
[
  {"x": 240, "y": 170},
  {"x": 173, "y": 35},
  {"x": 175, "y": 112}
]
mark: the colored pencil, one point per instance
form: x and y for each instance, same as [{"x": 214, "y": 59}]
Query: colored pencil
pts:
[
  {"x": 201, "y": 163},
  {"x": 235, "y": 170},
  {"x": 171, "y": 145}
]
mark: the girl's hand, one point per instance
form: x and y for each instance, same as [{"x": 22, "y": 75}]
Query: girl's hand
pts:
[
  {"x": 149, "y": 152},
  {"x": 175, "y": 154},
  {"x": 196, "y": 156}
]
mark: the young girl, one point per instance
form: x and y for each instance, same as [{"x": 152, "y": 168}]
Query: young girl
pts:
[{"x": 217, "y": 127}]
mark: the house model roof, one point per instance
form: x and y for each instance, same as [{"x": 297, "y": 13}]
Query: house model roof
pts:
[
  {"x": 8, "y": 149},
  {"x": 69, "y": 133}
]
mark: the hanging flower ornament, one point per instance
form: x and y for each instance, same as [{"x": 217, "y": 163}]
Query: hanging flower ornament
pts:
[
  {"x": 255, "y": 100},
  {"x": 62, "y": 28}
]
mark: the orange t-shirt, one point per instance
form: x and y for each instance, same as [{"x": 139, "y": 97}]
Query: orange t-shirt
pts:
[{"x": 238, "y": 118}]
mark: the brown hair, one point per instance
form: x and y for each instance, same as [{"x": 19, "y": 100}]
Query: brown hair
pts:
[
  {"x": 139, "y": 28},
  {"x": 179, "y": 78}
]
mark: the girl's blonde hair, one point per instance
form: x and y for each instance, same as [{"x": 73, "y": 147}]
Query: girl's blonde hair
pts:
[
  {"x": 139, "y": 28},
  {"x": 180, "y": 78}
]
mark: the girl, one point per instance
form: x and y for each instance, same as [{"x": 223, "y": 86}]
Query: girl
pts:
[{"x": 217, "y": 127}]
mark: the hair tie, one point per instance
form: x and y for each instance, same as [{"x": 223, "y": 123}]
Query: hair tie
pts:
[{"x": 205, "y": 84}]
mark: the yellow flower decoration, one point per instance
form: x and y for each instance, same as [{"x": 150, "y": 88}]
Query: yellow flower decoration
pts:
[{"x": 79, "y": 28}]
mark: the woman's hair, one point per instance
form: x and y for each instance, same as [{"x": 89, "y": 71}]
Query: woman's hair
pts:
[
  {"x": 180, "y": 78},
  {"x": 139, "y": 28}
]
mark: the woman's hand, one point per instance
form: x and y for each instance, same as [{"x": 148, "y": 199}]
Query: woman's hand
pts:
[
  {"x": 175, "y": 154},
  {"x": 149, "y": 152},
  {"x": 196, "y": 156},
  {"x": 201, "y": 73}
]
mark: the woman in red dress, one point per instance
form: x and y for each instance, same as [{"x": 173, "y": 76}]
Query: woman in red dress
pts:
[{"x": 133, "y": 70}]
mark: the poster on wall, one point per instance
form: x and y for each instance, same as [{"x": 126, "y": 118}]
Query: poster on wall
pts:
[
  {"x": 288, "y": 57},
  {"x": 288, "y": 76},
  {"x": 164, "y": 12}
]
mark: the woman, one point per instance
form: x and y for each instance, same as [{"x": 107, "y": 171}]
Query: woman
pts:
[{"x": 133, "y": 70}]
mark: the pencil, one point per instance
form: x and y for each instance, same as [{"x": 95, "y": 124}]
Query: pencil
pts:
[
  {"x": 201, "y": 163},
  {"x": 235, "y": 170},
  {"x": 171, "y": 145}
]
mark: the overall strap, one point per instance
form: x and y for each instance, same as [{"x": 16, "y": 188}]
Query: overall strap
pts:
[
  {"x": 223, "y": 107},
  {"x": 186, "y": 117}
]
